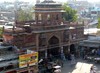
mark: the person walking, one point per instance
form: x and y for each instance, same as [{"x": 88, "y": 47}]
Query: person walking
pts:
[
  {"x": 59, "y": 62},
  {"x": 92, "y": 70},
  {"x": 72, "y": 59}
]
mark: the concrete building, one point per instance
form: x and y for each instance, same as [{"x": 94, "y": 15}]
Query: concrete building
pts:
[{"x": 95, "y": 12}]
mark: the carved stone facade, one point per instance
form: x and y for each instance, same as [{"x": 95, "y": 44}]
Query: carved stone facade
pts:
[
  {"x": 48, "y": 23},
  {"x": 48, "y": 33}
]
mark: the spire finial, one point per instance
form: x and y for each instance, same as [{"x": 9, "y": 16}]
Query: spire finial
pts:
[
  {"x": 37, "y": 1},
  {"x": 48, "y": 0}
]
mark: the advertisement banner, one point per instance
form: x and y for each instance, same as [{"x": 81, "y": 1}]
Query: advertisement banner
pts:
[{"x": 28, "y": 59}]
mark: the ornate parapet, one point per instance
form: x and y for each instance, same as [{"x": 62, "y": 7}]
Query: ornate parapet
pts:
[{"x": 13, "y": 30}]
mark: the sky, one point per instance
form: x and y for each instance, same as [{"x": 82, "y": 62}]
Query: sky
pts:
[{"x": 42, "y": 0}]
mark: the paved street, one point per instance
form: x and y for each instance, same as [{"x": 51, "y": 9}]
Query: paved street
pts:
[{"x": 81, "y": 66}]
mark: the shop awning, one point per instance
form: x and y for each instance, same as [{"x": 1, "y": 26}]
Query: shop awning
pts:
[{"x": 89, "y": 44}]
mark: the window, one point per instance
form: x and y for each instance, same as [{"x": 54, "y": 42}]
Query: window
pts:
[
  {"x": 40, "y": 18},
  {"x": 48, "y": 17}
]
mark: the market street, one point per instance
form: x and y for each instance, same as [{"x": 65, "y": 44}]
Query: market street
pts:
[{"x": 81, "y": 66}]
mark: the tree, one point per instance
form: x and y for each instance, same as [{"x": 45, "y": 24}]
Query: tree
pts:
[
  {"x": 70, "y": 14},
  {"x": 98, "y": 26},
  {"x": 24, "y": 15}
]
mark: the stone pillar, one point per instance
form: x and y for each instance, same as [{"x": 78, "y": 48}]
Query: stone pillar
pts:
[
  {"x": 37, "y": 42},
  {"x": 68, "y": 48},
  {"x": 69, "y": 42},
  {"x": 36, "y": 18},
  {"x": 62, "y": 54},
  {"x": 46, "y": 53}
]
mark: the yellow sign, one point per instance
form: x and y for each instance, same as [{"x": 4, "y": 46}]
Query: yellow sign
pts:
[{"x": 28, "y": 59}]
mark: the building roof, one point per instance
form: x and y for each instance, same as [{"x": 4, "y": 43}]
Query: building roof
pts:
[
  {"x": 51, "y": 11},
  {"x": 2, "y": 64},
  {"x": 95, "y": 9},
  {"x": 48, "y": 3},
  {"x": 91, "y": 42},
  {"x": 48, "y": 6}
]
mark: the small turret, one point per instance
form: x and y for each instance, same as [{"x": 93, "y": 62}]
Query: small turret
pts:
[{"x": 37, "y": 1}]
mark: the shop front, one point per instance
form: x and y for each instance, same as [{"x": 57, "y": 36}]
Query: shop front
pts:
[{"x": 28, "y": 63}]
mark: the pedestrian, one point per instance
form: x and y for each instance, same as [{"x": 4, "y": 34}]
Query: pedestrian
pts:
[
  {"x": 92, "y": 70},
  {"x": 69, "y": 56},
  {"x": 59, "y": 62},
  {"x": 72, "y": 59},
  {"x": 51, "y": 57}
]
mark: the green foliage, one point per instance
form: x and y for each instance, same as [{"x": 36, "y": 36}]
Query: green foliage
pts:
[
  {"x": 24, "y": 15},
  {"x": 70, "y": 14},
  {"x": 98, "y": 26}
]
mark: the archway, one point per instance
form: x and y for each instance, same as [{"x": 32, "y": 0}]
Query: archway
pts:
[
  {"x": 53, "y": 46},
  {"x": 72, "y": 49}
]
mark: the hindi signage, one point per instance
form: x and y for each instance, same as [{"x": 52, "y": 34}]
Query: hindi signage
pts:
[{"x": 28, "y": 59}]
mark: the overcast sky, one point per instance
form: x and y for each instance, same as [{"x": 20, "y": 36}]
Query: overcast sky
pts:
[{"x": 42, "y": 0}]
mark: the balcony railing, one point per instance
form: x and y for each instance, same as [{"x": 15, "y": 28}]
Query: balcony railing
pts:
[
  {"x": 40, "y": 26},
  {"x": 41, "y": 22}
]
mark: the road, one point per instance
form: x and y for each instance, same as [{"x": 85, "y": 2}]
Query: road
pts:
[{"x": 81, "y": 66}]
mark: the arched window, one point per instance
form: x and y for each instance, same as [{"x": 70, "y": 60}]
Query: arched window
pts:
[
  {"x": 40, "y": 18},
  {"x": 48, "y": 17}
]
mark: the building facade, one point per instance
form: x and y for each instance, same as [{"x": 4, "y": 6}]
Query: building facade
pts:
[{"x": 48, "y": 34}]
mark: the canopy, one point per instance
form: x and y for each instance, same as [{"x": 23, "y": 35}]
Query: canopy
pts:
[{"x": 90, "y": 44}]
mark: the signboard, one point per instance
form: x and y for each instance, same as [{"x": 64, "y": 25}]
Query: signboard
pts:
[{"x": 28, "y": 59}]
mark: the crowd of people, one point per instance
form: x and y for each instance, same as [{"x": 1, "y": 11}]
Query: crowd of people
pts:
[{"x": 52, "y": 65}]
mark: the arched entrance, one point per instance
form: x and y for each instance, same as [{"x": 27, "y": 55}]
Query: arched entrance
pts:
[
  {"x": 72, "y": 49},
  {"x": 53, "y": 46}
]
